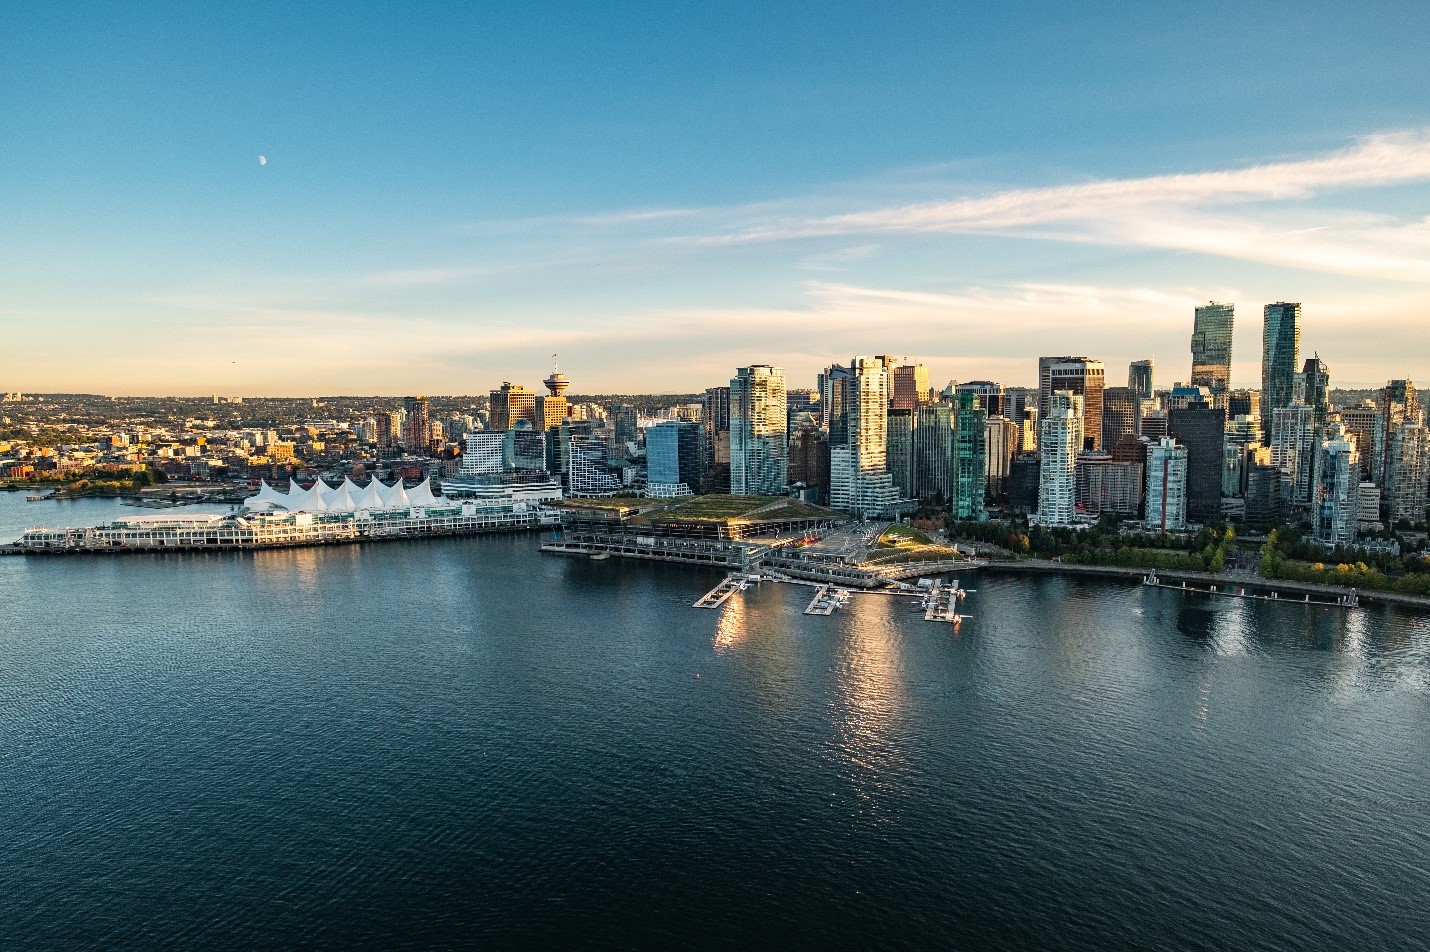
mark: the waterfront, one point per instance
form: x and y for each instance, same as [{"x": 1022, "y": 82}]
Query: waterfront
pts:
[{"x": 462, "y": 741}]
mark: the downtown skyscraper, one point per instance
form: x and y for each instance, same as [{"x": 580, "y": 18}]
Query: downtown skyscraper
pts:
[
  {"x": 859, "y": 478},
  {"x": 1211, "y": 349},
  {"x": 759, "y": 451},
  {"x": 1280, "y": 350},
  {"x": 1082, "y": 376}
]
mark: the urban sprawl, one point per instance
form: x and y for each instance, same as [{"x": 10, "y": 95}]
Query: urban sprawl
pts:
[{"x": 1332, "y": 485}]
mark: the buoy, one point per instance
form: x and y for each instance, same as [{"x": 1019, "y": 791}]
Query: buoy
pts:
[{"x": 697, "y": 677}]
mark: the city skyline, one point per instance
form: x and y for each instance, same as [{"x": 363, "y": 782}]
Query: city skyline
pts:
[{"x": 613, "y": 190}]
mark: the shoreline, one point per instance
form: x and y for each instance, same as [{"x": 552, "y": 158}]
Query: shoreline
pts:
[{"x": 1365, "y": 595}]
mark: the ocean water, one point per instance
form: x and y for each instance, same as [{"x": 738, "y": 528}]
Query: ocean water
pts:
[{"x": 465, "y": 743}]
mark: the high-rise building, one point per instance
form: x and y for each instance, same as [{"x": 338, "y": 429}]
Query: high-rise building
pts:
[
  {"x": 1244, "y": 403},
  {"x": 551, "y": 407},
  {"x": 809, "y": 461},
  {"x": 1120, "y": 407},
  {"x": 1211, "y": 349},
  {"x": 1242, "y": 433},
  {"x": 1078, "y": 375},
  {"x": 1280, "y": 351},
  {"x": 1140, "y": 378},
  {"x": 901, "y": 423},
  {"x": 715, "y": 418},
  {"x": 910, "y": 387},
  {"x": 759, "y": 448},
  {"x": 1363, "y": 423},
  {"x": 1407, "y": 471},
  {"x": 1166, "y": 486},
  {"x": 675, "y": 458},
  {"x": 417, "y": 428},
  {"x": 1399, "y": 402},
  {"x": 389, "y": 429},
  {"x": 1316, "y": 383},
  {"x": 933, "y": 452},
  {"x": 859, "y": 479},
  {"x": 1338, "y": 493},
  {"x": 990, "y": 394},
  {"x": 1263, "y": 492},
  {"x": 970, "y": 457},
  {"x": 1023, "y": 478},
  {"x": 1060, "y": 440},
  {"x": 1293, "y": 443},
  {"x": 1200, "y": 428},
  {"x": 587, "y": 471},
  {"x": 484, "y": 454},
  {"x": 625, "y": 428},
  {"x": 1105, "y": 484},
  {"x": 1002, "y": 447},
  {"x": 509, "y": 403}
]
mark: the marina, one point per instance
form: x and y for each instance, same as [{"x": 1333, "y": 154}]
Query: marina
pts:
[{"x": 827, "y": 599}]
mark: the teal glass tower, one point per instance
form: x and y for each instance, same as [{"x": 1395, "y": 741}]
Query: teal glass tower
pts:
[{"x": 1280, "y": 349}]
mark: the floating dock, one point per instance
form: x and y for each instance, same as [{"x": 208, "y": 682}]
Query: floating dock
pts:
[
  {"x": 1349, "y": 600},
  {"x": 827, "y": 600},
  {"x": 721, "y": 593},
  {"x": 941, "y": 603}
]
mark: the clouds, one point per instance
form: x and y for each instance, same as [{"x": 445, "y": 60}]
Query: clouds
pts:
[{"x": 1234, "y": 213}]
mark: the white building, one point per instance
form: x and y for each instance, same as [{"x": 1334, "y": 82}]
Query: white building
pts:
[
  {"x": 1293, "y": 446},
  {"x": 1166, "y": 486},
  {"x": 859, "y": 478},
  {"x": 1059, "y": 442}
]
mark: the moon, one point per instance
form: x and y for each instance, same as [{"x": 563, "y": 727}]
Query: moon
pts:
[{"x": 263, "y": 160}]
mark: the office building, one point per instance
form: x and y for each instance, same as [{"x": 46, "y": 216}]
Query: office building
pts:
[
  {"x": 1140, "y": 379},
  {"x": 523, "y": 447},
  {"x": 715, "y": 420},
  {"x": 1002, "y": 447},
  {"x": 1200, "y": 429},
  {"x": 1211, "y": 349},
  {"x": 900, "y": 453},
  {"x": 1120, "y": 406},
  {"x": 1337, "y": 503},
  {"x": 1244, "y": 403},
  {"x": 509, "y": 403},
  {"x": 1166, "y": 495},
  {"x": 933, "y": 452},
  {"x": 1242, "y": 433},
  {"x": 989, "y": 393},
  {"x": 1316, "y": 388},
  {"x": 675, "y": 459},
  {"x": 1280, "y": 352},
  {"x": 1060, "y": 440},
  {"x": 759, "y": 448},
  {"x": 910, "y": 387},
  {"x": 1081, "y": 376},
  {"x": 970, "y": 457}
]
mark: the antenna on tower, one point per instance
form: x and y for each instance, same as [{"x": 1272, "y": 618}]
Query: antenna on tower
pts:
[{"x": 554, "y": 368}]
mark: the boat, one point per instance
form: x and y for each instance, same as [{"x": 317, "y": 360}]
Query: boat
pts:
[{"x": 600, "y": 556}]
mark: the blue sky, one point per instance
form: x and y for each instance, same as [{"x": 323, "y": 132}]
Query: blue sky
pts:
[{"x": 661, "y": 192}]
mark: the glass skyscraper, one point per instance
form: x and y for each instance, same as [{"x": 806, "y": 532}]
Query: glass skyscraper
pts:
[
  {"x": 970, "y": 483},
  {"x": 759, "y": 449},
  {"x": 1211, "y": 347},
  {"x": 1280, "y": 350}
]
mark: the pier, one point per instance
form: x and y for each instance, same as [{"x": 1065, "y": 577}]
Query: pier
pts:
[
  {"x": 941, "y": 603},
  {"x": 1349, "y": 600},
  {"x": 827, "y": 599},
  {"x": 720, "y": 594}
]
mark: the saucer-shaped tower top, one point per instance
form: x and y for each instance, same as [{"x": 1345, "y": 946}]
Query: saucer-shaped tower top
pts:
[{"x": 557, "y": 382}]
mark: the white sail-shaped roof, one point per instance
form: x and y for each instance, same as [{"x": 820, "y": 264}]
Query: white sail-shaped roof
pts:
[
  {"x": 396, "y": 497},
  {"x": 340, "y": 499},
  {"x": 369, "y": 498},
  {"x": 422, "y": 495},
  {"x": 266, "y": 494},
  {"x": 307, "y": 500}
]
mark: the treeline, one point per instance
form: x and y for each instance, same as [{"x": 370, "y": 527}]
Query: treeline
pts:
[
  {"x": 1286, "y": 556},
  {"x": 1104, "y": 544}
]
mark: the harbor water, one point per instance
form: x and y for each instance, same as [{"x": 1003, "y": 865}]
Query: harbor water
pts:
[{"x": 465, "y": 743}]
